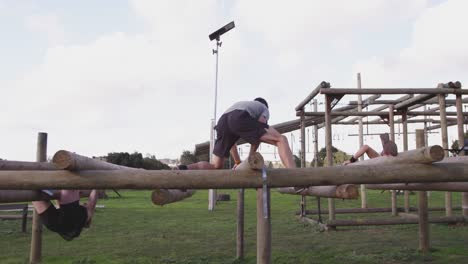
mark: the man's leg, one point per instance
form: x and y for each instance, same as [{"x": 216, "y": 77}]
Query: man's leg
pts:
[
  {"x": 68, "y": 196},
  {"x": 41, "y": 206},
  {"x": 91, "y": 206},
  {"x": 371, "y": 153},
  {"x": 273, "y": 137}
]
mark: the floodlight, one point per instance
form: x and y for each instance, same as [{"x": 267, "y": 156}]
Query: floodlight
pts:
[{"x": 219, "y": 32}]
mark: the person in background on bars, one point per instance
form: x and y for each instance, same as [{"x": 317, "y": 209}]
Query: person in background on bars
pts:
[
  {"x": 389, "y": 149},
  {"x": 70, "y": 217},
  {"x": 247, "y": 120}
]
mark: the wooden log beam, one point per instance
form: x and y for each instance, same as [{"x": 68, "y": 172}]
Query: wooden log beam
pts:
[
  {"x": 341, "y": 91},
  {"x": 373, "y": 210},
  {"x": 165, "y": 196},
  {"x": 311, "y": 96},
  {"x": 377, "y": 113},
  {"x": 397, "y": 221},
  {"x": 228, "y": 179},
  {"x": 26, "y": 165},
  {"x": 16, "y": 196},
  {"x": 414, "y": 101},
  {"x": 67, "y": 160},
  {"x": 424, "y": 155},
  {"x": 345, "y": 191},
  {"x": 433, "y": 186}
]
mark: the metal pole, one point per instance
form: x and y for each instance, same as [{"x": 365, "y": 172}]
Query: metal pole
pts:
[
  {"x": 35, "y": 255},
  {"x": 212, "y": 192}
]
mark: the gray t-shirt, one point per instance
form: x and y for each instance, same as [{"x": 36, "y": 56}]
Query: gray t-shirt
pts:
[{"x": 254, "y": 108}]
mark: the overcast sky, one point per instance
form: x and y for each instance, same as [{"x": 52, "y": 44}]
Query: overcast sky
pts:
[{"x": 138, "y": 75}]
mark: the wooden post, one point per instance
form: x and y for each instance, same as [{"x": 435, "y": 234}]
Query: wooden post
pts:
[
  {"x": 263, "y": 225},
  {"x": 361, "y": 141},
  {"x": 315, "y": 137},
  {"x": 253, "y": 162},
  {"x": 443, "y": 128},
  {"x": 424, "y": 242},
  {"x": 391, "y": 124},
  {"x": 328, "y": 146},
  {"x": 461, "y": 141},
  {"x": 35, "y": 255},
  {"x": 404, "y": 118},
  {"x": 303, "y": 141}
]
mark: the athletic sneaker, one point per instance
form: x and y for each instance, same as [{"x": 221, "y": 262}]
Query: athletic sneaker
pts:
[{"x": 48, "y": 192}]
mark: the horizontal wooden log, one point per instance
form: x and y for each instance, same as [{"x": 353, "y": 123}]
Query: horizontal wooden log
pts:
[
  {"x": 433, "y": 186},
  {"x": 13, "y": 217},
  {"x": 396, "y": 221},
  {"x": 67, "y": 160},
  {"x": 16, "y": 196},
  {"x": 424, "y": 155},
  {"x": 228, "y": 179},
  {"x": 345, "y": 191},
  {"x": 166, "y": 196},
  {"x": 376, "y": 113},
  {"x": 312, "y": 95},
  {"x": 413, "y": 101},
  {"x": 341, "y": 91},
  {"x": 26, "y": 165},
  {"x": 372, "y": 210}
]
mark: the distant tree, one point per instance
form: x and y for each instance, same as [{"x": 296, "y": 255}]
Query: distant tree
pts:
[
  {"x": 136, "y": 160},
  {"x": 339, "y": 156},
  {"x": 297, "y": 161},
  {"x": 270, "y": 165},
  {"x": 455, "y": 144},
  {"x": 188, "y": 157}
]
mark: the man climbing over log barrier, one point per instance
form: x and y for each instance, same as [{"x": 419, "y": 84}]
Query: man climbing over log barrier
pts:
[
  {"x": 70, "y": 217},
  {"x": 246, "y": 120},
  {"x": 389, "y": 148}
]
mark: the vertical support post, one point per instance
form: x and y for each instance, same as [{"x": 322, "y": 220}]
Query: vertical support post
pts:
[
  {"x": 315, "y": 137},
  {"x": 424, "y": 243},
  {"x": 35, "y": 255},
  {"x": 303, "y": 158},
  {"x": 461, "y": 142},
  {"x": 361, "y": 141},
  {"x": 391, "y": 124},
  {"x": 263, "y": 229},
  {"x": 328, "y": 146},
  {"x": 443, "y": 128},
  {"x": 240, "y": 224},
  {"x": 303, "y": 140},
  {"x": 405, "y": 148},
  {"x": 212, "y": 192}
]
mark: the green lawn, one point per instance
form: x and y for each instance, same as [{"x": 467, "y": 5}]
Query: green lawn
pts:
[{"x": 133, "y": 230}]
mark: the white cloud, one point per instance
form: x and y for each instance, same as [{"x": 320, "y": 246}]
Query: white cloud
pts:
[{"x": 47, "y": 24}]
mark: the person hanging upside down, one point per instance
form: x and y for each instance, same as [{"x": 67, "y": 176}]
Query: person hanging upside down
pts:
[
  {"x": 247, "y": 120},
  {"x": 70, "y": 217},
  {"x": 389, "y": 149}
]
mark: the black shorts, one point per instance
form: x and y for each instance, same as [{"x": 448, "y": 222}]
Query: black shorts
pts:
[
  {"x": 67, "y": 221},
  {"x": 234, "y": 125}
]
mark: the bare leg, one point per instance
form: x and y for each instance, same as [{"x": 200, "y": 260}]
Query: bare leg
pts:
[
  {"x": 41, "y": 206},
  {"x": 68, "y": 196},
  {"x": 91, "y": 206},
  {"x": 273, "y": 137},
  {"x": 371, "y": 153}
]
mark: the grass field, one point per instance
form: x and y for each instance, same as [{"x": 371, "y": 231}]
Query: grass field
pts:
[{"x": 132, "y": 230}]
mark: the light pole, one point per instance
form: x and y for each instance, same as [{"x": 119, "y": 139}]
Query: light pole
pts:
[{"x": 215, "y": 36}]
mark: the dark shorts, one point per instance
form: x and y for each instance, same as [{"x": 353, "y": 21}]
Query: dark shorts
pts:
[
  {"x": 67, "y": 221},
  {"x": 234, "y": 125}
]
